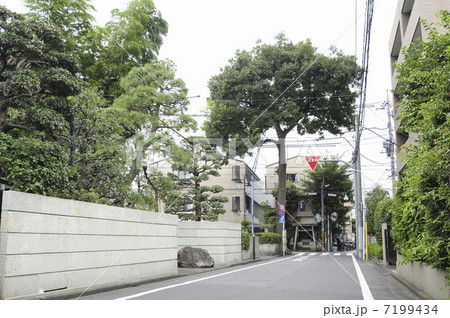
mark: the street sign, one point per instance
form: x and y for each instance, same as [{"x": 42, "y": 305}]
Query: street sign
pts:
[
  {"x": 281, "y": 212},
  {"x": 312, "y": 161},
  {"x": 282, "y": 220},
  {"x": 282, "y": 207}
]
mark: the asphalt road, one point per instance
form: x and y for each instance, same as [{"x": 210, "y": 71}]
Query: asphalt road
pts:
[{"x": 302, "y": 276}]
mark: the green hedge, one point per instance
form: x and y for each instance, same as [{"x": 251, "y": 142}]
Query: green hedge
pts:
[
  {"x": 245, "y": 240},
  {"x": 376, "y": 250},
  {"x": 269, "y": 238}
]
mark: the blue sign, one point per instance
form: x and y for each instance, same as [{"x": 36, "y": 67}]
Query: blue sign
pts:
[
  {"x": 281, "y": 212},
  {"x": 282, "y": 220},
  {"x": 281, "y": 207}
]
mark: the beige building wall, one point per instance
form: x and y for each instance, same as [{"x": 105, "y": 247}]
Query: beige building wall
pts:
[
  {"x": 296, "y": 168},
  {"x": 405, "y": 30},
  {"x": 236, "y": 186}
]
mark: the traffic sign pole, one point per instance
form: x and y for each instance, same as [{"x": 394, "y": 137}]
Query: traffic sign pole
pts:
[{"x": 283, "y": 221}]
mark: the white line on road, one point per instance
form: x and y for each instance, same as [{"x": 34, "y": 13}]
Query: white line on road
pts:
[
  {"x": 312, "y": 254},
  {"x": 337, "y": 254},
  {"x": 367, "y": 295},
  {"x": 323, "y": 254},
  {"x": 202, "y": 279}
]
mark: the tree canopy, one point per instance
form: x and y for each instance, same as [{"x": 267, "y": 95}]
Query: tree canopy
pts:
[
  {"x": 286, "y": 87},
  {"x": 53, "y": 65},
  {"x": 36, "y": 74}
]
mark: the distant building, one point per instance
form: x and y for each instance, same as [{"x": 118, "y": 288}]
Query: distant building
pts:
[
  {"x": 302, "y": 226},
  {"x": 236, "y": 180},
  {"x": 407, "y": 29}
]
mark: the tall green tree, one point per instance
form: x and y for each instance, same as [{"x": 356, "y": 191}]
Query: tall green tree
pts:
[
  {"x": 72, "y": 17},
  {"x": 196, "y": 200},
  {"x": 285, "y": 87},
  {"x": 335, "y": 179},
  {"x": 131, "y": 39},
  {"x": 96, "y": 147},
  {"x": 420, "y": 213},
  {"x": 151, "y": 111},
  {"x": 373, "y": 197}
]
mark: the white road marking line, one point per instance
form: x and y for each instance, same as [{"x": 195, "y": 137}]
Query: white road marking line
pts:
[
  {"x": 312, "y": 254},
  {"x": 337, "y": 254},
  {"x": 367, "y": 295},
  {"x": 201, "y": 279},
  {"x": 349, "y": 254},
  {"x": 324, "y": 254}
]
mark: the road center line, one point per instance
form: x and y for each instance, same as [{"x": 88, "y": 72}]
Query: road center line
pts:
[
  {"x": 202, "y": 279},
  {"x": 367, "y": 295}
]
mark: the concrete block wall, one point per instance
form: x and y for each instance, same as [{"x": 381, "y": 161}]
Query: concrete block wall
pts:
[
  {"x": 51, "y": 246},
  {"x": 221, "y": 239},
  {"x": 425, "y": 277}
]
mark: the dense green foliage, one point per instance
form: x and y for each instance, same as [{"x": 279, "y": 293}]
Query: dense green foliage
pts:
[
  {"x": 286, "y": 87},
  {"x": 245, "y": 241},
  {"x": 131, "y": 39},
  {"x": 376, "y": 250},
  {"x": 373, "y": 197},
  {"x": 60, "y": 135},
  {"x": 381, "y": 215},
  {"x": 269, "y": 238},
  {"x": 35, "y": 166},
  {"x": 269, "y": 215},
  {"x": 36, "y": 74},
  {"x": 293, "y": 197},
  {"x": 420, "y": 213}
]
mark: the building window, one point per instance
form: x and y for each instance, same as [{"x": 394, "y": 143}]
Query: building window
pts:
[
  {"x": 235, "y": 204},
  {"x": 235, "y": 173},
  {"x": 291, "y": 177}
]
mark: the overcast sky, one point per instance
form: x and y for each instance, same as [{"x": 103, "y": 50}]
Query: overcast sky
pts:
[{"x": 203, "y": 35}]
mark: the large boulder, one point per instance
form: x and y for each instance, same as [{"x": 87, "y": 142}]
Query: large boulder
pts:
[{"x": 189, "y": 257}]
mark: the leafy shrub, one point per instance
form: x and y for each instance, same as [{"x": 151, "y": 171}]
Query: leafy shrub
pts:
[
  {"x": 34, "y": 166},
  {"x": 245, "y": 240},
  {"x": 245, "y": 225},
  {"x": 269, "y": 238},
  {"x": 381, "y": 215},
  {"x": 376, "y": 250}
]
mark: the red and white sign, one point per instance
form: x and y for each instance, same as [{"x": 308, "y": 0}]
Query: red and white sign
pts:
[{"x": 312, "y": 161}]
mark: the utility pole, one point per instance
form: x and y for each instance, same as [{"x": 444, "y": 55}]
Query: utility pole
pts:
[
  {"x": 391, "y": 148},
  {"x": 358, "y": 197},
  {"x": 253, "y": 231},
  {"x": 322, "y": 208}
]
